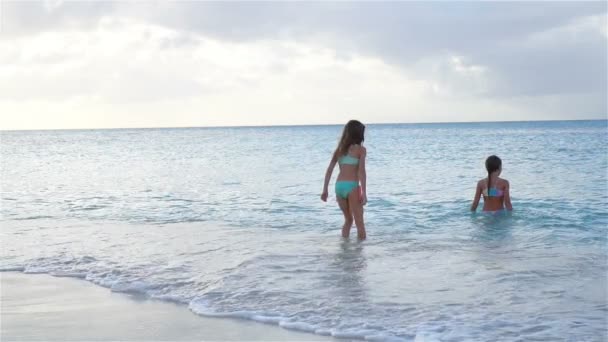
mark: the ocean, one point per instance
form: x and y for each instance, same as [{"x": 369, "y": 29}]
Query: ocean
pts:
[{"x": 228, "y": 222}]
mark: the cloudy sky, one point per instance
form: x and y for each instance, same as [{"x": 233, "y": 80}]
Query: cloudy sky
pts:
[{"x": 167, "y": 64}]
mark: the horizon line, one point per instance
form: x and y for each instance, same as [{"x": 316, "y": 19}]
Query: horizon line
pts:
[{"x": 293, "y": 125}]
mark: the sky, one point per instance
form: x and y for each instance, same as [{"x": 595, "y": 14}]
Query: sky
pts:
[{"x": 102, "y": 64}]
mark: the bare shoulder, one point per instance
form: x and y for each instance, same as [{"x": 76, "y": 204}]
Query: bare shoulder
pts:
[
  {"x": 362, "y": 151},
  {"x": 359, "y": 150},
  {"x": 481, "y": 183},
  {"x": 504, "y": 182}
]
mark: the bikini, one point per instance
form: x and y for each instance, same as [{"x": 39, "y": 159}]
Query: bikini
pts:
[
  {"x": 493, "y": 192},
  {"x": 344, "y": 188}
]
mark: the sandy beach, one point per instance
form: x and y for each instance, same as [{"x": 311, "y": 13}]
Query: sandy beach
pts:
[{"x": 37, "y": 307}]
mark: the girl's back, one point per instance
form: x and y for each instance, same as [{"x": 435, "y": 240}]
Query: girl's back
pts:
[
  {"x": 494, "y": 189},
  {"x": 349, "y": 163},
  {"x": 493, "y": 196}
]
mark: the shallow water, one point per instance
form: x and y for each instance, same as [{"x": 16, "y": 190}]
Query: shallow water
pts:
[{"x": 228, "y": 221}]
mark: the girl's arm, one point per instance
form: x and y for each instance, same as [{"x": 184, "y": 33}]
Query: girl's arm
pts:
[
  {"x": 328, "y": 172},
  {"x": 477, "y": 197},
  {"x": 363, "y": 175},
  {"x": 507, "y": 196}
]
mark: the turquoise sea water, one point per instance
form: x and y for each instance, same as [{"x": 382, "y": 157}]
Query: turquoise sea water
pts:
[{"x": 228, "y": 221}]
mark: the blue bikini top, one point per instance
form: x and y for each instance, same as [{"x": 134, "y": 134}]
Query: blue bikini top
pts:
[
  {"x": 348, "y": 160},
  {"x": 493, "y": 192}
]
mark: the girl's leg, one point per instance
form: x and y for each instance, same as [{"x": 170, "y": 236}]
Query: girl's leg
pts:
[
  {"x": 348, "y": 217},
  {"x": 356, "y": 208}
]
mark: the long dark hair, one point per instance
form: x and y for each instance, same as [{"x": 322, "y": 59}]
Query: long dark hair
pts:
[
  {"x": 352, "y": 134},
  {"x": 493, "y": 163}
]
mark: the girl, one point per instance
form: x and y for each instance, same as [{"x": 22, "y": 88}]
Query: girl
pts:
[
  {"x": 351, "y": 196},
  {"x": 495, "y": 190}
]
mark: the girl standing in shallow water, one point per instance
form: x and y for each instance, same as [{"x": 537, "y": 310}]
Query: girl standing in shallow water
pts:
[
  {"x": 495, "y": 190},
  {"x": 350, "y": 156}
]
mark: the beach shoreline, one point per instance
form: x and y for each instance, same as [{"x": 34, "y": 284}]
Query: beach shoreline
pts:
[{"x": 40, "y": 307}]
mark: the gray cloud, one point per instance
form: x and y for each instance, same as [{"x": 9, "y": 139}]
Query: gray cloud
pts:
[
  {"x": 498, "y": 36},
  {"x": 30, "y": 17}
]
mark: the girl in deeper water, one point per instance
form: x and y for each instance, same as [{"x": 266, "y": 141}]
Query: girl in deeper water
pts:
[
  {"x": 495, "y": 190},
  {"x": 351, "y": 183}
]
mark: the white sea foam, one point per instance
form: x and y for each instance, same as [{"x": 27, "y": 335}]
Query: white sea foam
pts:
[
  {"x": 202, "y": 308},
  {"x": 352, "y": 333},
  {"x": 268, "y": 319},
  {"x": 300, "y": 326},
  {"x": 80, "y": 275},
  {"x": 384, "y": 338},
  {"x": 36, "y": 269},
  {"x": 323, "y": 332},
  {"x": 137, "y": 286},
  {"x": 170, "y": 298}
]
